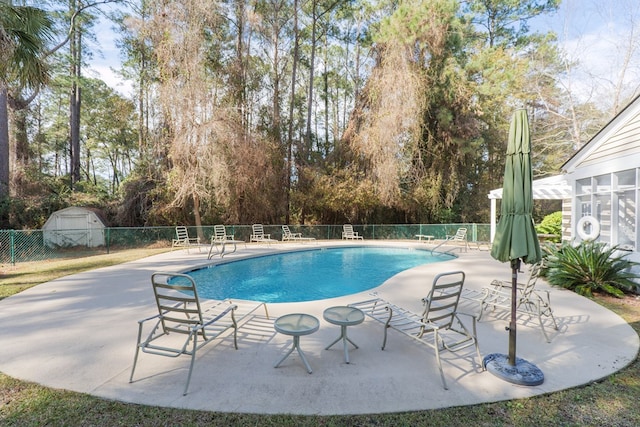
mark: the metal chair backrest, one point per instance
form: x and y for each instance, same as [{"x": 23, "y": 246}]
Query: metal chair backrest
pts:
[
  {"x": 177, "y": 302},
  {"x": 219, "y": 233},
  {"x": 529, "y": 287},
  {"x": 182, "y": 234},
  {"x": 258, "y": 230},
  {"x": 460, "y": 235},
  {"x": 441, "y": 304}
]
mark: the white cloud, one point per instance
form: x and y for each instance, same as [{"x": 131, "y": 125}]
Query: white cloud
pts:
[{"x": 104, "y": 72}]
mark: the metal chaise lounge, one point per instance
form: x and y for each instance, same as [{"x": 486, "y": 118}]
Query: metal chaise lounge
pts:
[
  {"x": 530, "y": 301},
  {"x": 220, "y": 240},
  {"x": 287, "y": 235},
  {"x": 259, "y": 236},
  {"x": 460, "y": 238},
  {"x": 184, "y": 324},
  {"x": 439, "y": 326},
  {"x": 183, "y": 240},
  {"x": 349, "y": 234}
]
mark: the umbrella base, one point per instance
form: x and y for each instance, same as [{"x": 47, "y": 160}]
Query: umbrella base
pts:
[{"x": 522, "y": 373}]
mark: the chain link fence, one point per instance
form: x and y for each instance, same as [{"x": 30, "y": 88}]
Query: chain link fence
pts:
[{"x": 38, "y": 245}]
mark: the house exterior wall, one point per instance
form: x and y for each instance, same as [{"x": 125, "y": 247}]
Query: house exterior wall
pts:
[
  {"x": 605, "y": 180},
  {"x": 619, "y": 145},
  {"x": 566, "y": 219}
]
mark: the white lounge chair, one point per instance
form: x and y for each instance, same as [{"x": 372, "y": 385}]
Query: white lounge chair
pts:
[
  {"x": 182, "y": 314},
  {"x": 220, "y": 240},
  {"x": 287, "y": 235},
  {"x": 183, "y": 240},
  {"x": 458, "y": 239},
  {"x": 530, "y": 301},
  {"x": 348, "y": 233},
  {"x": 439, "y": 325},
  {"x": 259, "y": 235}
]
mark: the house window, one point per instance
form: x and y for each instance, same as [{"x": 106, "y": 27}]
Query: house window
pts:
[
  {"x": 585, "y": 206},
  {"x": 626, "y": 180},
  {"x": 626, "y": 224},
  {"x": 603, "y": 215},
  {"x": 611, "y": 199},
  {"x": 583, "y": 186},
  {"x": 602, "y": 183},
  {"x": 624, "y": 232},
  {"x": 583, "y": 197}
]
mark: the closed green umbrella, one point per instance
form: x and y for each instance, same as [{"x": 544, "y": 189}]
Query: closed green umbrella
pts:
[
  {"x": 515, "y": 241},
  {"x": 516, "y": 236}
]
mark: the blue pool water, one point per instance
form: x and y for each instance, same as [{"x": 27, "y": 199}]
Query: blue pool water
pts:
[{"x": 308, "y": 275}]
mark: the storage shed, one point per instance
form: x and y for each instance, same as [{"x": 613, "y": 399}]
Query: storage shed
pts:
[{"x": 74, "y": 226}]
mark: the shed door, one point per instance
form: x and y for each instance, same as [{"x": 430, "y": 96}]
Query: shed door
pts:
[{"x": 74, "y": 228}]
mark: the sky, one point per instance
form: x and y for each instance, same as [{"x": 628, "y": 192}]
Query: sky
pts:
[
  {"x": 107, "y": 56},
  {"x": 596, "y": 33}
]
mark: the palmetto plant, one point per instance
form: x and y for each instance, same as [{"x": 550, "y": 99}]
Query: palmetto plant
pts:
[{"x": 589, "y": 267}]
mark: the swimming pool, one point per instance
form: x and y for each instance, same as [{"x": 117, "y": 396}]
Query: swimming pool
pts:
[{"x": 308, "y": 275}]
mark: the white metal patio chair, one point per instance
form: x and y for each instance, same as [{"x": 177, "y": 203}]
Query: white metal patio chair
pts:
[
  {"x": 220, "y": 240},
  {"x": 349, "y": 234},
  {"x": 439, "y": 326},
  {"x": 258, "y": 235},
  {"x": 460, "y": 238},
  {"x": 183, "y": 240},
  {"x": 287, "y": 235},
  {"x": 531, "y": 302},
  {"x": 184, "y": 324}
]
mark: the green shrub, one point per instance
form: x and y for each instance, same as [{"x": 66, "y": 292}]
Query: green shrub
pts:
[
  {"x": 551, "y": 224},
  {"x": 589, "y": 267}
]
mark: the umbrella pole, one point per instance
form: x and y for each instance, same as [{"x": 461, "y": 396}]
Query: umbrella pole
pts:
[
  {"x": 515, "y": 266},
  {"x": 507, "y": 366}
]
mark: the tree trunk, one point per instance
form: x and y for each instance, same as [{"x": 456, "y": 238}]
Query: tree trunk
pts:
[
  {"x": 196, "y": 214},
  {"x": 314, "y": 20},
  {"x": 326, "y": 99},
  {"x": 4, "y": 143},
  {"x": 74, "y": 107},
  {"x": 294, "y": 68},
  {"x": 239, "y": 88},
  {"x": 275, "y": 41},
  {"x": 74, "y": 133},
  {"x": 18, "y": 119}
]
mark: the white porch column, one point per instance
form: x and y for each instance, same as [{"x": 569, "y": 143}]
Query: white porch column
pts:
[{"x": 493, "y": 219}]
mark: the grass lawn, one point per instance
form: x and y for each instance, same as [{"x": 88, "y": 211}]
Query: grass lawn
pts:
[{"x": 610, "y": 402}]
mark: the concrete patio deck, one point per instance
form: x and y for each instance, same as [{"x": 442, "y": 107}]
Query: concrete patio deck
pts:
[{"x": 79, "y": 333}]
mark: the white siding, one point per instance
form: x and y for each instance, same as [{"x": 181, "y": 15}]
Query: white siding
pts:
[
  {"x": 566, "y": 220},
  {"x": 625, "y": 142}
]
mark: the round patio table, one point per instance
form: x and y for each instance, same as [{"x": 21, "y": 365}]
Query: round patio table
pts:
[
  {"x": 296, "y": 325},
  {"x": 343, "y": 316}
]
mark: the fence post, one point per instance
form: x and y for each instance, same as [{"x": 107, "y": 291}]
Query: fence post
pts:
[
  {"x": 12, "y": 246},
  {"x": 108, "y": 229}
]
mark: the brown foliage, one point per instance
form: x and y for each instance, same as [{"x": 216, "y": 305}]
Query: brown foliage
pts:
[
  {"x": 416, "y": 114},
  {"x": 391, "y": 122},
  {"x": 217, "y": 164}
]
